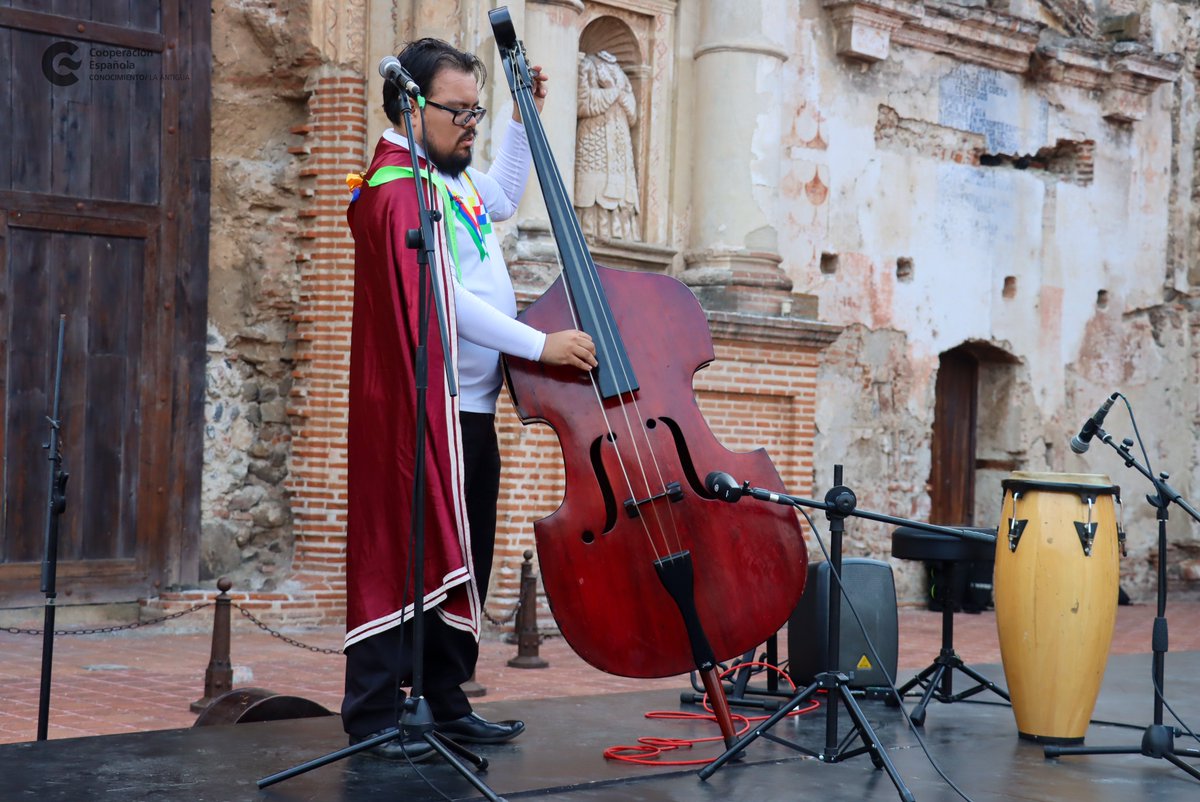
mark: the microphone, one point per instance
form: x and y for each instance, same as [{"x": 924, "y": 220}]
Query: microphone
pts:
[
  {"x": 392, "y": 70},
  {"x": 723, "y": 486},
  {"x": 1081, "y": 441}
]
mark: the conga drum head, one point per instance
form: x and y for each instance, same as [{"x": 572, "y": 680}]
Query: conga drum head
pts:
[
  {"x": 1060, "y": 482},
  {"x": 1056, "y": 584}
]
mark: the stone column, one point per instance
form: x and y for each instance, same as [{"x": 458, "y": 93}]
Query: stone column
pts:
[
  {"x": 732, "y": 258},
  {"x": 551, "y": 35}
]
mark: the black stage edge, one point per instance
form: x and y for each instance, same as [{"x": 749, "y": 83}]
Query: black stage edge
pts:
[{"x": 559, "y": 757}]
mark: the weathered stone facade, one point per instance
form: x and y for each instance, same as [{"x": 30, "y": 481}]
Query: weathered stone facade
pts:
[
  {"x": 915, "y": 176},
  {"x": 1011, "y": 178},
  {"x": 261, "y": 58}
]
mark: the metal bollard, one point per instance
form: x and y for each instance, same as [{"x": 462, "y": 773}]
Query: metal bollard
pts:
[
  {"x": 527, "y": 632},
  {"x": 218, "y": 677}
]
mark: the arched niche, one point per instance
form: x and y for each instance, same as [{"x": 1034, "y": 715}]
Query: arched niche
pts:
[{"x": 614, "y": 37}]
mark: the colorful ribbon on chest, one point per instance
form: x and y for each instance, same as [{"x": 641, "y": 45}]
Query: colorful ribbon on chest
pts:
[
  {"x": 474, "y": 217},
  {"x": 383, "y": 175}
]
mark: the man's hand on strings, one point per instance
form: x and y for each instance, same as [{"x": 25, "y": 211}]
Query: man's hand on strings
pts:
[
  {"x": 538, "y": 89},
  {"x": 569, "y": 347}
]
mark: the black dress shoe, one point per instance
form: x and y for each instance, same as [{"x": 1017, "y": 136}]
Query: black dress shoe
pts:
[
  {"x": 396, "y": 749},
  {"x": 474, "y": 729}
]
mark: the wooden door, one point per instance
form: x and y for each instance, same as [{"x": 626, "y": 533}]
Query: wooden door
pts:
[
  {"x": 103, "y": 218},
  {"x": 952, "y": 472}
]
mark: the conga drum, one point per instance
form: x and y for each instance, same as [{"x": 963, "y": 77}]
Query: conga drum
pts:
[{"x": 1056, "y": 591}]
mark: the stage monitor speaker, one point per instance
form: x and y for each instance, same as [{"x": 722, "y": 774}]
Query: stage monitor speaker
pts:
[{"x": 870, "y": 585}]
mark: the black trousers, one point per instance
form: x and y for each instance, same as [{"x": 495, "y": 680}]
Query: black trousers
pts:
[{"x": 378, "y": 666}]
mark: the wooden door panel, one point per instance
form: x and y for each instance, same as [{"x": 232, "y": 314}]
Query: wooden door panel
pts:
[
  {"x": 95, "y": 280},
  {"x": 93, "y": 138},
  {"x": 4, "y": 315},
  {"x": 31, "y": 150},
  {"x": 137, "y": 14},
  {"x": 66, "y": 274},
  {"x": 145, "y": 137},
  {"x": 27, "y": 402},
  {"x": 114, "y": 389},
  {"x": 24, "y": 515},
  {"x": 7, "y": 101},
  {"x": 103, "y": 217}
]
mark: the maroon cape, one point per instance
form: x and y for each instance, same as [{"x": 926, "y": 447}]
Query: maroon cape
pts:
[{"x": 382, "y": 433}]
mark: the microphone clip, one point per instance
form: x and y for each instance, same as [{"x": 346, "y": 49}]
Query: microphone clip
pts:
[{"x": 841, "y": 500}]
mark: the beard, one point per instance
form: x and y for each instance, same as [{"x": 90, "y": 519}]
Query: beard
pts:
[{"x": 451, "y": 163}]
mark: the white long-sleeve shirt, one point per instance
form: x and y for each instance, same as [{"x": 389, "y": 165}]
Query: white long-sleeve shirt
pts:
[{"x": 484, "y": 300}]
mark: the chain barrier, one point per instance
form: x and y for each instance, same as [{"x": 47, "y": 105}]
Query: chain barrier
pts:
[
  {"x": 499, "y": 622},
  {"x": 106, "y": 630},
  {"x": 508, "y": 619},
  {"x": 280, "y": 636},
  {"x": 543, "y": 633}
]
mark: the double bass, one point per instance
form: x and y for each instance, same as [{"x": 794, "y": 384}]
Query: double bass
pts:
[{"x": 646, "y": 572}]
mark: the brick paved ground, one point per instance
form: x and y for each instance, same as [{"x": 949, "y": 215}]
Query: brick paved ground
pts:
[{"x": 146, "y": 679}]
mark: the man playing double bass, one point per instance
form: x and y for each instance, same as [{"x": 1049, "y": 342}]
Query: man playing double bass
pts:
[{"x": 462, "y": 457}]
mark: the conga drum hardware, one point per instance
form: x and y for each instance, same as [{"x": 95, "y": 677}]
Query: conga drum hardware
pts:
[
  {"x": 1120, "y": 524},
  {"x": 1016, "y": 526},
  {"x": 1087, "y": 531}
]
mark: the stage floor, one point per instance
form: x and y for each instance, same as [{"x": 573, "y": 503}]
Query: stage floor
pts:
[{"x": 559, "y": 757}]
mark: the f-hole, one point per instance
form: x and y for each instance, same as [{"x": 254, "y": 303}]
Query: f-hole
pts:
[
  {"x": 606, "y": 490},
  {"x": 685, "y": 458}
]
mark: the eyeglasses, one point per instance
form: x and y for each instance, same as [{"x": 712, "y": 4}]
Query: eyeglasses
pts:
[{"x": 462, "y": 117}]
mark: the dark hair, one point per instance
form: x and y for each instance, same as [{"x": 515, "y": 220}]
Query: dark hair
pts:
[{"x": 424, "y": 59}]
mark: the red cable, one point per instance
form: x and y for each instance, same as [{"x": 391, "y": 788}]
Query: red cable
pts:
[{"x": 649, "y": 748}]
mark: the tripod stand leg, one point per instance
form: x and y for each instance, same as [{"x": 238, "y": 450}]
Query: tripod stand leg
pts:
[
  {"x": 449, "y": 750},
  {"x": 1186, "y": 767},
  {"x": 919, "y": 679},
  {"x": 478, "y": 761},
  {"x": 1165, "y": 751},
  {"x": 982, "y": 680},
  {"x": 325, "y": 760},
  {"x": 917, "y": 716},
  {"x": 749, "y": 737},
  {"x": 879, "y": 755}
]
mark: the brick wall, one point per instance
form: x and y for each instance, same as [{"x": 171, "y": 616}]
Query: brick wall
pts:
[{"x": 334, "y": 144}]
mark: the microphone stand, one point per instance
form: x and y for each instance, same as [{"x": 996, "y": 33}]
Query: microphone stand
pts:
[
  {"x": 839, "y": 503},
  {"x": 416, "y": 718},
  {"x": 57, "y": 495},
  {"x": 1158, "y": 740}
]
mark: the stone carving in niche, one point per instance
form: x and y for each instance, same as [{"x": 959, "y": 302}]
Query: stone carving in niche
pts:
[{"x": 606, "y": 173}]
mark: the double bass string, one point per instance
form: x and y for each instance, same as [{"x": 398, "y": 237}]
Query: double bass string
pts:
[{"x": 524, "y": 99}]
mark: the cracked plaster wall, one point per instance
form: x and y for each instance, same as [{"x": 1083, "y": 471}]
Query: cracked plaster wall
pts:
[{"x": 892, "y": 222}]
